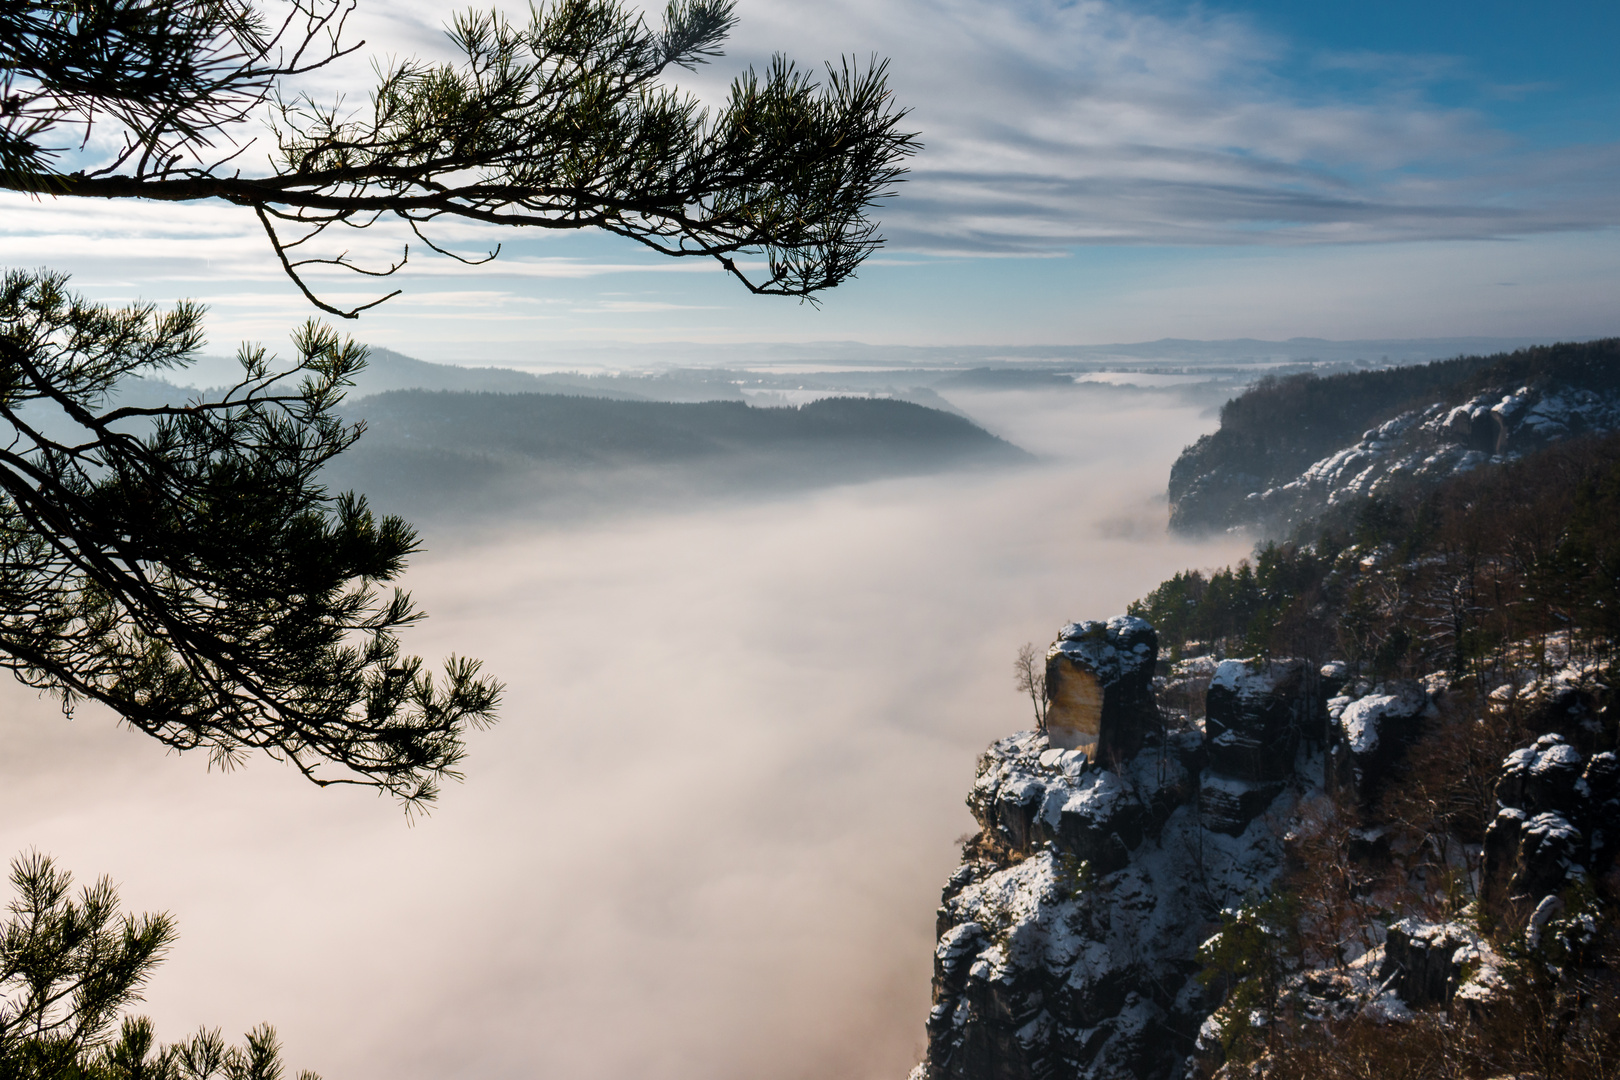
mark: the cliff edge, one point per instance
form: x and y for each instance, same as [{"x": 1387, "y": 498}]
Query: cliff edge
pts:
[{"x": 1106, "y": 919}]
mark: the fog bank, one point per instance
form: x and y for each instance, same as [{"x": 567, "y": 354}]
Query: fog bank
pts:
[{"x": 708, "y": 836}]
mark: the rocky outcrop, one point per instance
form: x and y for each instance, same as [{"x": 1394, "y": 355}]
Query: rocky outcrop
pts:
[
  {"x": 1423, "y": 961},
  {"x": 1433, "y": 443},
  {"x": 1558, "y": 817},
  {"x": 1371, "y": 733},
  {"x": 1253, "y": 717},
  {"x": 1068, "y": 937},
  {"x": 1255, "y": 712},
  {"x": 1099, "y": 681}
]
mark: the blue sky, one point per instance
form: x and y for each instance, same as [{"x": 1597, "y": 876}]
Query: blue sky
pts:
[
  {"x": 1095, "y": 171},
  {"x": 1544, "y": 71}
]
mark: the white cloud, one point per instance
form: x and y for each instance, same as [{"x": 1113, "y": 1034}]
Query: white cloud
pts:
[{"x": 1050, "y": 124}]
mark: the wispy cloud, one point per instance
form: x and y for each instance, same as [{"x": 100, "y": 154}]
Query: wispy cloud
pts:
[
  {"x": 627, "y": 306},
  {"x": 1048, "y": 126},
  {"x": 1054, "y": 124},
  {"x": 156, "y": 242}
]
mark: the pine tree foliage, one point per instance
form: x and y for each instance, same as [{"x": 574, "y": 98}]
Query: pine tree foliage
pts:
[
  {"x": 169, "y": 73},
  {"x": 559, "y": 122},
  {"x": 70, "y": 966},
  {"x": 183, "y": 565}
]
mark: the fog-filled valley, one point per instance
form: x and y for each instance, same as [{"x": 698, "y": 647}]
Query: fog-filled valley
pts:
[
  {"x": 707, "y": 837},
  {"x": 749, "y": 540}
]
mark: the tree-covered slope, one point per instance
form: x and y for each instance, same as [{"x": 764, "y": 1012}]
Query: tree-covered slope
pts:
[
  {"x": 431, "y": 451},
  {"x": 1453, "y": 576},
  {"x": 1450, "y": 905},
  {"x": 1289, "y": 447}
]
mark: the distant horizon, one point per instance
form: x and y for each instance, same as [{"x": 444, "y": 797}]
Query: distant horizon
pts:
[
  {"x": 1169, "y": 350},
  {"x": 631, "y": 359}
]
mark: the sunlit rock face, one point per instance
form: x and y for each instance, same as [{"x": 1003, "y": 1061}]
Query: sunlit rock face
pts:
[
  {"x": 1099, "y": 678},
  {"x": 1074, "y": 713}
]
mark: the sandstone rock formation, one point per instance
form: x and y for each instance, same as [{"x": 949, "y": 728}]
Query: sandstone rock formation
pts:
[
  {"x": 1371, "y": 732},
  {"x": 1098, "y": 670},
  {"x": 1254, "y": 715},
  {"x": 1259, "y": 481},
  {"x": 1069, "y": 937},
  {"x": 1423, "y": 961},
  {"x": 1554, "y": 805}
]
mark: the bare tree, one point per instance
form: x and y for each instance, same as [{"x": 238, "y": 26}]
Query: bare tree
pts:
[{"x": 1029, "y": 675}]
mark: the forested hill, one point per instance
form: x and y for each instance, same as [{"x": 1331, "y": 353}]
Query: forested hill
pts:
[
  {"x": 1446, "y": 900},
  {"x": 1289, "y": 447},
  {"x": 433, "y": 451}
]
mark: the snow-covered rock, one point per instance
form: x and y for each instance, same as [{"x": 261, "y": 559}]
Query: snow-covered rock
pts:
[
  {"x": 1559, "y": 813},
  {"x": 1069, "y": 937},
  {"x": 1255, "y": 714},
  {"x": 1423, "y": 961},
  {"x": 1334, "y": 674},
  {"x": 1026, "y": 796},
  {"x": 1372, "y": 731},
  {"x": 1066, "y": 937},
  {"x": 1430, "y": 443}
]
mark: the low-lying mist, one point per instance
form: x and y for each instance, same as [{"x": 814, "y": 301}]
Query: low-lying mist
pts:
[{"x": 708, "y": 836}]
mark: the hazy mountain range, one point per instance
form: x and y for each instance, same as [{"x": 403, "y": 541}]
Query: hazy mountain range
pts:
[
  {"x": 569, "y": 364},
  {"x": 682, "y": 421}
]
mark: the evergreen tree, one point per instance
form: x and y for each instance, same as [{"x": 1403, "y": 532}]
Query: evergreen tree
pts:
[
  {"x": 183, "y": 565},
  {"x": 559, "y": 123},
  {"x": 70, "y": 966}
]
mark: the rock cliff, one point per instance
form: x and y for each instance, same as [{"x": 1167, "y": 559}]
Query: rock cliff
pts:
[
  {"x": 1068, "y": 937},
  {"x": 1433, "y": 443},
  {"x": 1074, "y": 938}
]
